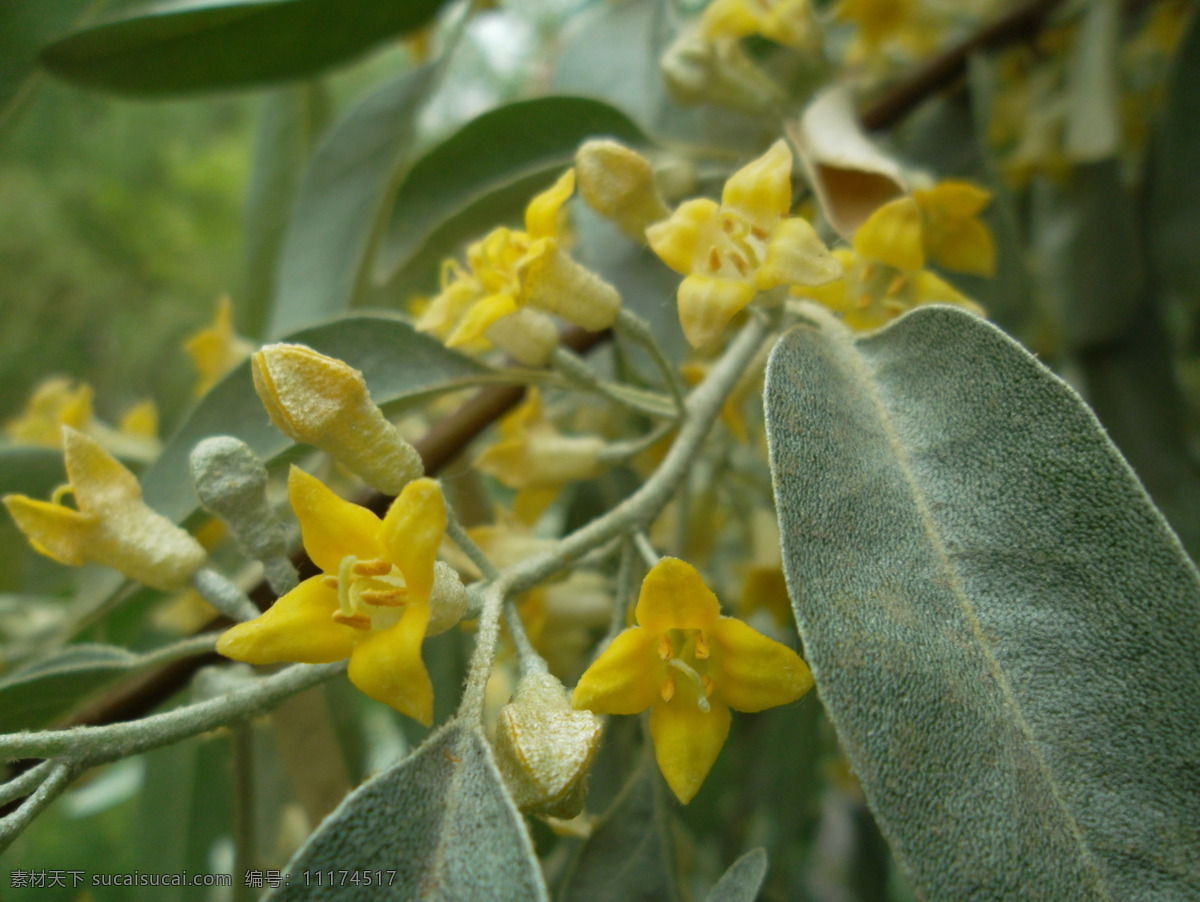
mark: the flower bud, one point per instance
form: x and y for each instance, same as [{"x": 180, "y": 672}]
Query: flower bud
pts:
[
  {"x": 850, "y": 176},
  {"x": 544, "y": 747},
  {"x": 527, "y": 336},
  {"x": 555, "y": 283},
  {"x": 619, "y": 183},
  {"x": 231, "y": 484},
  {"x": 324, "y": 402},
  {"x": 700, "y": 71},
  {"x": 447, "y": 599},
  {"x": 110, "y": 523}
]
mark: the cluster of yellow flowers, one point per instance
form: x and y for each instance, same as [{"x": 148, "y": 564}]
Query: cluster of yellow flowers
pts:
[{"x": 382, "y": 589}]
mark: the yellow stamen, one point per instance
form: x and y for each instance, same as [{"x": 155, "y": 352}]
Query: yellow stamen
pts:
[
  {"x": 668, "y": 689},
  {"x": 331, "y": 581},
  {"x": 373, "y": 568},
  {"x": 388, "y": 598},
  {"x": 701, "y": 647},
  {"x": 714, "y": 259},
  {"x": 358, "y": 621},
  {"x": 665, "y": 650}
]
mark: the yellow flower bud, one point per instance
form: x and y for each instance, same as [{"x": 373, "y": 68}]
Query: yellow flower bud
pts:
[
  {"x": 447, "y": 599},
  {"x": 324, "y": 402},
  {"x": 544, "y": 748},
  {"x": 111, "y": 525},
  {"x": 619, "y": 183}
]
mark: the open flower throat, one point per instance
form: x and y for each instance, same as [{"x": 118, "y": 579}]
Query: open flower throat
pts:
[
  {"x": 738, "y": 247},
  {"x": 371, "y": 594},
  {"x": 685, "y": 655}
]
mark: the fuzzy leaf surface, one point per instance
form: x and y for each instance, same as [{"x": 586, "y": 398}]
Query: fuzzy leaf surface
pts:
[
  {"x": 185, "y": 46},
  {"x": 743, "y": 880},
  {"x": 440, "y": 819},
  {"x": 1003, "y": 629}
]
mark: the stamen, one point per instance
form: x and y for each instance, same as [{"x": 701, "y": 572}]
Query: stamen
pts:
[
  {"x": 358, "y": 621},
  {"x": 708, "y": 686},
  {"x": 714, "y": 259},
  {"x": 701, "y": 647},
  {"x": 666, "y": 651},
  {"x": 378, "y": 567},
  {"x": 386, "y": 598},
  {"x": 759, "y": 232},
  {"x": 727, "y": 225},
  {"x": 331, "y": 581},
  {"x": 742, "y": 266},
  {"x": 668, "y": 689}
]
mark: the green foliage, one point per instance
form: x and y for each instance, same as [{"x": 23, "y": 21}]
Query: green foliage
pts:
[
  {"x": 196, "y": 45},
  {"x": 1002, "y": 626},
  {"x": 438, "y": 824}
]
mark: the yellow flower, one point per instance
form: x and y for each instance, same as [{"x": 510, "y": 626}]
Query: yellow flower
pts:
[
  {"x": 787, "y": 22},
  {"x": 509, "y": 270},
  {"x": 58, "y": 402},
  {"x": 217, "y": 349},
  {"x": 872, "y": 294},
  {"x": 536, "y": 459},
  {"x": 112, "y": 525},
  {"x": 746, "y": 244},
  {"x": 689, "y": 665},
  {"x": 941, "y": 223},
  {"x": 324, "y": 402},
  {"x": 372, "y": 603}
]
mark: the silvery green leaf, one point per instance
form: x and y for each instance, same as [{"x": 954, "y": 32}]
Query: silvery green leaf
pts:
[
  {"x": 743, "y": 880},
  {"x": 1003, "y": 629},
  {"x": 629, "y": 856},
  {"x": 437, "y": 825}
]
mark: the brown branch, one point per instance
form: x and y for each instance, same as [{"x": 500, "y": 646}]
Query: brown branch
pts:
[{"x": 1021, "y": 24}]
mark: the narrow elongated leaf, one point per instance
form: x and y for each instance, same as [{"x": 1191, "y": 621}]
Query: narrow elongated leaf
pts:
[
  {"x": 743, "y": 880},
  {"x": 291, "y": 120},
  {"x": 25, "y": 25},
  {"x": 1087, "y": 254},
  {"x": 1004, "y": 631},
  {"x": 326, "y": 255},
  {"x": 206, "y": 45},
  {"x": 1174, "y": 194},
  {"x": 438, "y": 825},
  {"x": 530, "y": 138},
  {"x": 398, "y": 363},
  {"x": 629, "y": 856}
]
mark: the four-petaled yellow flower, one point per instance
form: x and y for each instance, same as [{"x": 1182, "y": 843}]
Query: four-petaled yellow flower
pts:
[
  {"x": 689, "y": 665},
  {"x": 216, "y": 349},
  {"x": 787, "y": 22},
  {"x": 510, "y": 271},
  {"x": 112, "y": 524},
  {"x": 371, "y": 604},
  {"x": 939, "y": 223},
  {"x": 746, "y": 244},
  {"x": 871, "y": 294}
]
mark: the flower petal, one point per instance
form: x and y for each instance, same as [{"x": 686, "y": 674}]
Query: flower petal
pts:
[
  {"x": 796, "y": 256},
  {"x": 298, "y": 627},
  {"x": 387, "y": 666},
  {"x": 707, "y": 304},
  {"x": 98, "y": 480},
  {"x": 674, "y": 596},
  {"x": 480, "y": 317},
  {"x": 892, "y": 235},
  {"x": 751, "y": 672},
  {"x": 331, "y": 527},
  {"x": 625, "y": 679},
  {"x": 762, "y": 188},
  {"x": 686, "y": 235},
  {"x": 541, "y": 216},
  {"x": 964, "y": 245},
  {"x": 412, "y": 532},
  {"x": 954, "y": 198},
  {"x": 54, "y": 530},
  {"x": 686, "y": 743}
]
